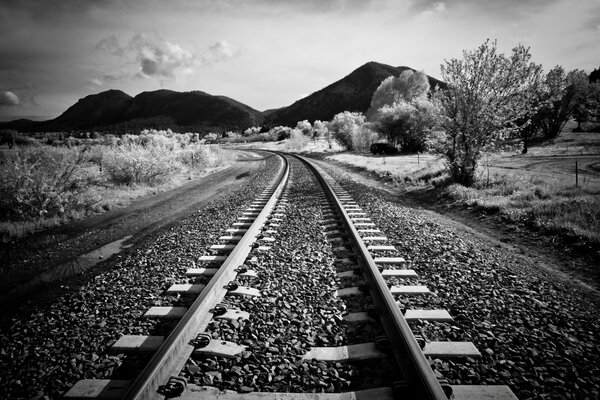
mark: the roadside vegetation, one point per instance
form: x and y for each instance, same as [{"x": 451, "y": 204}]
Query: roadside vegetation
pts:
[
  {"x": 45, "y": 185},
  {"x": 540, "y": 189},
  {"x": 470, "y": 141}
]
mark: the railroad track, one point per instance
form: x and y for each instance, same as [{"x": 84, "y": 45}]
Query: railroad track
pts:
[{"x": 237, "y": 332}]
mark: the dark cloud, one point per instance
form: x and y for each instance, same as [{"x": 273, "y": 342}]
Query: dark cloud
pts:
[{"x": 8, "y": 98}]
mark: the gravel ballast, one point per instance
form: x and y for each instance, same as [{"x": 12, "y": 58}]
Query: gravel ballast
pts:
[
  {"x": 43, "y": 354},
  {"x": 539, "y": 336},
  {"x": 297, "y": 310}
]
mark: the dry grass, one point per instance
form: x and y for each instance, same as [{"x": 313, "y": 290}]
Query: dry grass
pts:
[
  {"x": 296, "y": 145},
  {"x": 45, "y": 186},
  {"x": 572, "y": 212},
  {"x": 537, "y": 188},
  {"x": 399, "y": 168}
]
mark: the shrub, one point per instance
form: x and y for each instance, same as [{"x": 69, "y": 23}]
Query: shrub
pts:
[
  {"x": 345, "y": 127},
  {"x": 363, "y": 138},
  {"x": 298, "y": 140},
  {"x": 201, "y": 156},
  {"x": 44, "y": 182},
  {"x": 133, "y": 163}
]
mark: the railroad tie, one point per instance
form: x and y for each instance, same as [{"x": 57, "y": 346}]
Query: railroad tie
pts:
[{"x": 185, "y": 288}]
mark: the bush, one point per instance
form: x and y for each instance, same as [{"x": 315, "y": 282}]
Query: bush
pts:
[
  {"x": 298, "y": 140},
  {"x": 133, "y": 163},
  {"x": 363, "y": 138},
  {"x": 202, "y": 156},
  {"x": 44, "y": 182},
  {"x": 349, "y": 130}
]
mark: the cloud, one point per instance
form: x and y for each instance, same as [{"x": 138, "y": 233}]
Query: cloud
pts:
[
  {"x": 94, "y": 82},
  {"x": 111, "y": 45},
  {"x": 221, "y": 51},
  {"x": 508, "y": 8},
  {"x": 148, "y": 55},
  {"x": 8, "y": 98},
  {"x": 159, "y": 58}
]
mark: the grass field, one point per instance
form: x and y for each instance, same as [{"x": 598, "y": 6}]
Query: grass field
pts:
[
  {"x": 45, "y": 186},
  {"x": 540, "y": 188}
]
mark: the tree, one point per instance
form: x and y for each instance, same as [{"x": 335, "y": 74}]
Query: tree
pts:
[
  {"x": 281, "y": 132},
  {"x": 565, "y": 91},
  {"x": 349, "y": 130},
  {"x": 253, "y": 130},
  {"x": 595, "y": 75},
  {"x": 319, "y": 129},
  {"x": 588, "y": 105},
  {"x": 401, "y": 110},
  {"x": 407, "y": 86},
  {"x": 488, "y": 95},
  {"x": 8, "y": 136},
  {"x": 408, "y": 123},
  {"x": 305, "y": 127}
]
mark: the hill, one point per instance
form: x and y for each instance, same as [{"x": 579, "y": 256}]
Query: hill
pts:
[
  {"x": 351, "y": 93},
  {"x": 100, "y": 109},
  {"x": 116, "y": 111}
]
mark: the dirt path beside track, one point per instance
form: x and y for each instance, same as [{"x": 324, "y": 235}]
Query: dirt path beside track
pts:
[{"x": 42, "y": 264}]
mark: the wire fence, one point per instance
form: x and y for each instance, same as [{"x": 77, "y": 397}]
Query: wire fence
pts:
[{"x": 575, "y": 177}]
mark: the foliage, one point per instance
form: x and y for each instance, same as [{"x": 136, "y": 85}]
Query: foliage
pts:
[
  {"x": 320, "y": 129},
  {"x": 132, "y": 163},
  {"x": 408, "y": 123},
  {"x": 568, "y": 211},
  {"x": 349, "y": 130},
  {"x": 588, "y": 105},
  {"x": 44, "y": 182},
  {"x": 363, "y": 138},
  {"x": 298, "y": 140},
  {"x": 252, "y": 131},
  {"x": 211, "y": 136},
  {"x": 281, "y": 132},
  {"x": 594, "y": 75},
  {"x": 488, "y": 96},
  {"x": 409, "y": 85},
  {"x": 564, "y": 93},
  {"x": 402, "y": 112},
  {"x": 305, "y": 127}
]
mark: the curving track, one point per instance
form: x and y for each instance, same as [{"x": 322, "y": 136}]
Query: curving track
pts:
[{"x": 303, "y": 300}]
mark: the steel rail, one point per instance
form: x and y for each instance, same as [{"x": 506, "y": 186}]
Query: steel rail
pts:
[
  {"x": 407, "y": 352},
  {"x": 173, "y": 354}
]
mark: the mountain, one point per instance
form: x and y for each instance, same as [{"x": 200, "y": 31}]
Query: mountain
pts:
[
  {"x": 351, "y": 93},
  {"x": 22, "y": 125},
  {"x": 100, "y": 109},
  {"x": 116, "y": 111},
  {"x": 195, "y": 110}
]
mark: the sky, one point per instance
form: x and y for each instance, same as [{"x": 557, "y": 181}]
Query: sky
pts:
[{"x": 264, "y": 53}]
